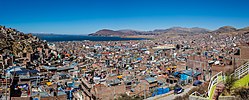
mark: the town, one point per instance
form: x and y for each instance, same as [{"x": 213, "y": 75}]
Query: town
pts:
[{"x": 179, "y": 67}]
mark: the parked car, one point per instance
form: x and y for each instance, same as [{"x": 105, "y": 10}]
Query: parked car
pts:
[
  {"x": 178, "y": 90},
  {"x": 197, "y": 83}
]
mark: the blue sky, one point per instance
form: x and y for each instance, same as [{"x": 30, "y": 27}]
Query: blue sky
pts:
[{"x": 88, "y": 16}]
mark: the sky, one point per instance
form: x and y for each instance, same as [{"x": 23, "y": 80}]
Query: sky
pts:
[{"x": 88, "y": 16}]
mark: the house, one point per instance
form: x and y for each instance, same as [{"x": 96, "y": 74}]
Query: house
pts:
[
  {"x": 152, "y": 82},
  {"x": 108, "y": 93},
  {"x": 187, "y": 76}
]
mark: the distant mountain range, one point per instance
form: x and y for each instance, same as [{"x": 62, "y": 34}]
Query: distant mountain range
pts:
[
  {"x": 193, "y": 30},
  {"x": 173, "y": 30}
]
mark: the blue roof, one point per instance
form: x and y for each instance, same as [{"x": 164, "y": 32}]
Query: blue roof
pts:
[
  {"x": 160, "y": 91},
  {"x": 24, "y": 71},
  {"x": 197, "y": 73},
  {"x": 183, "y": 77},
  {"x": 49, "y": 68},
  {"x": 150, "y": 79},
  {"x": 176, "y": 73},
  {"x": 191, "y": 72},
  {"x": 73, "y": 65},
  {"x": 144, "y": 49},
  {"x": 9, "y": 69},
  {"x": 139, "y": 58},
  {"x": 33, "y": 71},
  {"x": 188, "y": 72}
]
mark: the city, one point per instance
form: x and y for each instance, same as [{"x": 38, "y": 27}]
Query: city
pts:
[
  {"x": 143, "y": 69},
  {"x": 124, "y": 50}
]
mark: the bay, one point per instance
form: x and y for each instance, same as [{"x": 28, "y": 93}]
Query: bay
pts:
[{"x": 57, "y": 38}]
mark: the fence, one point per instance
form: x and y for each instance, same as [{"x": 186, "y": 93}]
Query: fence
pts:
[{"x": 241, "y": 71}]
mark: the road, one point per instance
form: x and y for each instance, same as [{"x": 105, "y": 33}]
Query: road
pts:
[{"x": 170, "y": 95}]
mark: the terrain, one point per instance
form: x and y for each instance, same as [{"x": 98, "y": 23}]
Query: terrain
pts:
[
  {"x": 173, "y": 30},
  {"x": 14, "y": 42}
]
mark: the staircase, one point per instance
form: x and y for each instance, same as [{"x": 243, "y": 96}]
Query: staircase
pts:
[
  {"x": 216, "y": 79},
  {"x": 216, "y": 84},
  {"x": 218, "y": 90}
]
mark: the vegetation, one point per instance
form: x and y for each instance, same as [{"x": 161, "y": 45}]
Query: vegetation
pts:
[
  {"x": 241, "y": 82},
  {"x": 242, "y": 93},
  {"x": 229, "y": 82}
]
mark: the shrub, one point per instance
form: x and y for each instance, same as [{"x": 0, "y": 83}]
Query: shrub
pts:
[{"x": 242, "y": 92}]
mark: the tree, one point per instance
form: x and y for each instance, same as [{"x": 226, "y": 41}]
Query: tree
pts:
[{"x": 229, "y": 82}]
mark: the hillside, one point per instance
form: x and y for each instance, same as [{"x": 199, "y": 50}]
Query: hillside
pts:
[
  {"x": 225, "y": 29},
  {"x": 173, "y": 30},
  {"x": 194, "y": 30},
  {"x": 176, "y": 30},
  {"x": 244, "y": 29},
  {"x": 107, "y": 32},
  {"x": 15, "y": 42}
]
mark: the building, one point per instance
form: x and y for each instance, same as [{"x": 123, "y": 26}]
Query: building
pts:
[{"x": 244, "y": 52}]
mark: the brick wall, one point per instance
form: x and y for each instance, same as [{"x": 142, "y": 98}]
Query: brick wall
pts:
[
  {"x": 108, "y": 93},
  {"x": 20, "y": 98},
  {"x": 244, "y": 52},
  {"x": 61, "y": 97}
]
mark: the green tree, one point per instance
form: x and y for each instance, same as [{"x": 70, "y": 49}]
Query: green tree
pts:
[{"x": 229, "y": 82}]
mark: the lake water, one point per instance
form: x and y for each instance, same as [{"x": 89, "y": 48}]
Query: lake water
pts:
[{"x": 55, "y": 38}]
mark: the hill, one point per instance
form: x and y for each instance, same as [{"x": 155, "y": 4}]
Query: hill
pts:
[
  {"x": 15, "y": 42},
  {"x": 225, "y": 29},
  {"x": 194, "y": 30},
  {"x": 176, "y": 30}
]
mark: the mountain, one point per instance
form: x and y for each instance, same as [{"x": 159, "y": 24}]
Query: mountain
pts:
[
  {"x": 244, "y": 29},
  {"x": 225, "y": 29},
  {"x": 135, "y": 32},
  {"x": 176, "y": 30},
  {"x": 107, "y": 32},
  {"x": 194, "y": 30}
]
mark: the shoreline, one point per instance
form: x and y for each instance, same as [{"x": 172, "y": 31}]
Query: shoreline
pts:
[{"x": 149, "y": 37}]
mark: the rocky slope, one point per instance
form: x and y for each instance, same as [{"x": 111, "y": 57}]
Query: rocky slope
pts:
[{"x": 14, "y": 42}]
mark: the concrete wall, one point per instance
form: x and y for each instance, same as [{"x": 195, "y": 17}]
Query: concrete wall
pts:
[
  {"x": 197, "y": 98},
  {"x": 220, "y": 98},
  {"x": 20, "y": 98},
  {"x": 62, "y": 97},
  {"x": 227, "y": 98}
]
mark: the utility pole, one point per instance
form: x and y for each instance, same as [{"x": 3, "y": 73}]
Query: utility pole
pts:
[
  {"x": 114, "y": 92},
  {"x": 144, "y": 90},
  {"x": 234, "y": 63},
  {"x": 6, "y": 87}
]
